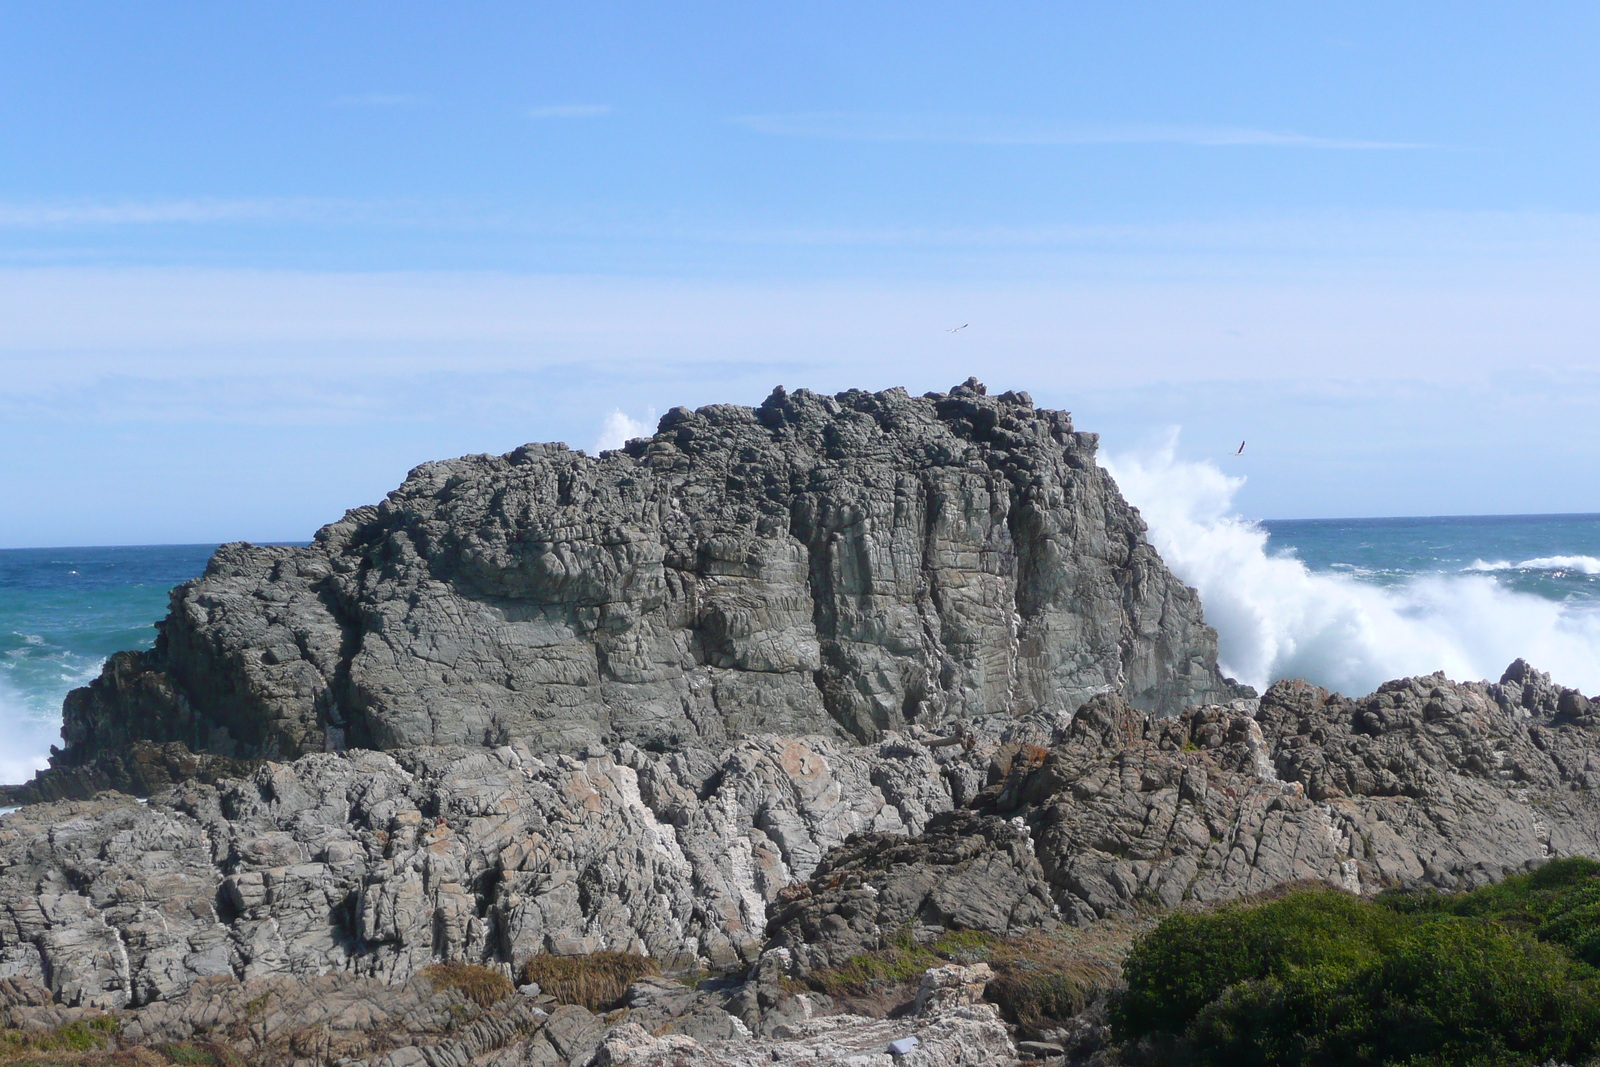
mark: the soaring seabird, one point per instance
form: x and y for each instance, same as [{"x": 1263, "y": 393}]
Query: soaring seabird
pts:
[
  {"x": 1241, "y": 449},
  {"x": 963, "y": 326}
]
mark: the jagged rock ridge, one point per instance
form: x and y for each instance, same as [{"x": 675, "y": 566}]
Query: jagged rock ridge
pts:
[
  {"x": 380, "y": 864},
  {"x": 842, "y": 564}
]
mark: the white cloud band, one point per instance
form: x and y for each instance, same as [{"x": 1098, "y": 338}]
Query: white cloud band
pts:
[{"x": 980, "y": 130}]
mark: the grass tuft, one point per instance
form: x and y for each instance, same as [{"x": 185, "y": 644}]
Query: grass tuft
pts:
[
  {"x": 1040, "y": 979},
  {"x": 66, "y": 1044},
  {"x": 597, "y": 981},
  {"x": 483, "y": 986}
]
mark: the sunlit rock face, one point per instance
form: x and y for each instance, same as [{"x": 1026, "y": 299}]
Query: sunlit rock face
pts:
[{"x": 817, "y": 564}]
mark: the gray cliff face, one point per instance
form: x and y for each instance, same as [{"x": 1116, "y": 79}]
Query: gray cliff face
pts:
[{"x": 843, "y": 564}]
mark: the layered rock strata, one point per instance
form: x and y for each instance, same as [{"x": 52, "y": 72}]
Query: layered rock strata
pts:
[
  {"x": 379, "y": 864},
  {"x": 842, "y": 565}
]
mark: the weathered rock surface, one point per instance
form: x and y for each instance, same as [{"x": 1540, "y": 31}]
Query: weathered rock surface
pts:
[
  {"x": 951, "y": 1027},
  {"x": 1424, "y": 782},
  {"x": 843, "y": 564},
  {"x": 360, "y": 1022},
  {"x": 965, "y": 872},
  {"x": 338, "y": 1018},
  {"x": 382, "y": 863}
]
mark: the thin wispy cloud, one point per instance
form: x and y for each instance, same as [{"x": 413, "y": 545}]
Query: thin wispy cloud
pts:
[
  {"x": 382, "y": 100},
  {"x": 568, "y": 111},
  {"x": 981, "y": 130},
  {"x": 41, "y": 215}
]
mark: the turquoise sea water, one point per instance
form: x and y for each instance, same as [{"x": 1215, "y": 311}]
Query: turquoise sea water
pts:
[
  {"x": 62, "y": 612},
  {"x": 1346, "y": 602},
  {"x": 1552, "y": 556}
]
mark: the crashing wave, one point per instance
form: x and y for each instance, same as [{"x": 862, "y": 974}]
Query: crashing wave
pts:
[{"x": 1277, "y": 618}]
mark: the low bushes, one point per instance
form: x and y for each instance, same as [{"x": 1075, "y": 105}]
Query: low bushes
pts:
[
  {"x": 596, "y": 981},
  {"x": 1558, "y": 902},
  {"x": 1320, "y": 978}
]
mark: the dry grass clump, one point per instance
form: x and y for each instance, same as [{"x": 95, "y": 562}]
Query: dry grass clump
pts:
[
  {"x": 183, "y": 1054},
  {"x": 199, "y": 1054},
  {"x": 93, "y": 1042},
  {"x": 596, "y": 981},
  {"x": 1040, "y": 979},
  {"x": 481, "y": 985},
  {"x": 70, "y": 1043}
]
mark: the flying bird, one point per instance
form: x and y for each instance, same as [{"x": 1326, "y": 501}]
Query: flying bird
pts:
[
  {"x": 1240, "y": 452},
  {"x": 957, "y": 329}
]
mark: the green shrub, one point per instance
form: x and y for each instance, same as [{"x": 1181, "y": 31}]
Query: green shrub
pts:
[
  {"x": 1558, "y": 902},
  {"x": 1319, "y": 978}
]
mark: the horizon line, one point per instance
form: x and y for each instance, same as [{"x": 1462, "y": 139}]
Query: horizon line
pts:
[{"x": 300, "y": 543}]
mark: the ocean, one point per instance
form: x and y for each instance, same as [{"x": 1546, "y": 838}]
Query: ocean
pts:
[
  {"x": 1352, "y": 603},
  {"x": 1347, "y": 603},
  {"x": 62, "y": 612}
]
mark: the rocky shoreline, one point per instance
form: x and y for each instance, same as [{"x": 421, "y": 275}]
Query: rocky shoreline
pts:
[
  {"x": 809, "y": 851},
  {"x": 770, "y": 694}
]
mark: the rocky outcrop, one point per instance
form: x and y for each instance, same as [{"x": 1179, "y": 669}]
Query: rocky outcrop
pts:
[
  {"x": 847, "y": 564},
  {"x": 1425, "y": 782},
  {"x": 337, "y": 1018},
  {"x": 766, "y": 691},
  {"x": 950, "y": 1027},
  {"x": 361, "y": 1022},
  {"x": 965, "y": 872},
  {"x": 379, "y": 864}
]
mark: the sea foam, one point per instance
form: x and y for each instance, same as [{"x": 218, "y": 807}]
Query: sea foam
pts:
[
  {"x": 1581, "y": 564},
  {"x": 25, "y": 737},
  {"x": 1277, "y": 618}
]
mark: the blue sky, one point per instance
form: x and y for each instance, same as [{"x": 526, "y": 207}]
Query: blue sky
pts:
[{"x": 257, "y": 261}]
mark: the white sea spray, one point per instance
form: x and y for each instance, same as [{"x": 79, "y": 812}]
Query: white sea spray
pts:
[
  {"x": 1277, "y": 618},
  {"x": 1581, "y": 564},
  {"x": 25, "y": 736}
]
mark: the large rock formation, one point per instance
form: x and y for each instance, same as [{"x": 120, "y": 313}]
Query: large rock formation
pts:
[
  {"x": 761, "y": 693},
  {"x": 843, "y": 564},
  {"x": 380, "y": 864},
  {"x": 1424, "y": 782}
]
